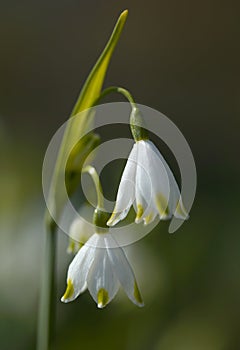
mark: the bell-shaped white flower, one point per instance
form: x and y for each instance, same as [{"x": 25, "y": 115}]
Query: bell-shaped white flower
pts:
[
  {"x": 100, "y": 268},
  {"x": 80, "y": 230},
  {"x": 149, "y": 185}
]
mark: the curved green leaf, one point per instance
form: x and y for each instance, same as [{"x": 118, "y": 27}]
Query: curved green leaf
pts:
[{"x": 77, "y": 127}]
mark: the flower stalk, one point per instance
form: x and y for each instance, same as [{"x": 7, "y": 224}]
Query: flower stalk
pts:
[
  {"x": 137, "y": 123},
  {"x": 100, "y": 217},
  {"x": 47, "y": 292},
  {"x": 94, "y": 175}
]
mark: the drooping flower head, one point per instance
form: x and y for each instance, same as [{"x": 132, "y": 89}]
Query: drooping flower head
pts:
[
  {"x": 101, "y": 270},
  {"x": 100, "y": 266},
  {"x": 148, "y": 184}
]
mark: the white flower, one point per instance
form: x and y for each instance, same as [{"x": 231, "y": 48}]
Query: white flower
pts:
[
  {"x": 149, "y": 185},
  {"x": 100, "y": 268},
  {"x": 80, "y": 231}
]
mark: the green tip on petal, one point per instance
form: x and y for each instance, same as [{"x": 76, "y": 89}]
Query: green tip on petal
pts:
[
  {"x": 73, "y": 247},
  {"x": 102, "y": 298},
  {"x": 69, "y": 291},
  {"x": 162, "y": 206},
  {"x": 111, "y": 220},
  {"x": 137, "y": 295},
  {"x": 148, "y": 219},
  {"x": 181, "y": 211},
  {"x": 140, "y": 211}
]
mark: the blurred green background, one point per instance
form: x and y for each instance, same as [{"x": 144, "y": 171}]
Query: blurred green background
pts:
[{"x": 179, "y": 57}]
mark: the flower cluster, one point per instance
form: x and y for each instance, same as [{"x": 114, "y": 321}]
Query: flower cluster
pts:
[{"x": 147, "y": 184}]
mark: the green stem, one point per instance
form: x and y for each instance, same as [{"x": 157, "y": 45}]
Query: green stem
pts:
[
  {"x": 119, "y": 90},
  {"x": 47, "y": 292},
  {"x": 94, "y": 175},
  {"x": 100, "y": 216},
  {"x": 137, "y": 124}
]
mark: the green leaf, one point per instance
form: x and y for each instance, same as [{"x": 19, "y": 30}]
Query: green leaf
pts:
[
  {"x": 76, "y": 127},
  {"x": 94, "y": 82}
]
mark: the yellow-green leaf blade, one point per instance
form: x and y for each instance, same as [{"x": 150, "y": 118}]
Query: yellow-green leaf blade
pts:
[
  {"x": 78, "y": 126},
  {"x": 94, "y": 82}
]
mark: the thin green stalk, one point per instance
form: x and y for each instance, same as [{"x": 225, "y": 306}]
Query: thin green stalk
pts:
[
  {"x": 137, "y": 123},
  {"x": 119, "y": 90},
  {"x": 94, "y": 175},
  {"x": 100, "y": 216},
  {"x": 47, "y": 291}
]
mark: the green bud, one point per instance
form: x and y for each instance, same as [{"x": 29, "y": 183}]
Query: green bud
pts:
[{"x": 137, "y": 124}]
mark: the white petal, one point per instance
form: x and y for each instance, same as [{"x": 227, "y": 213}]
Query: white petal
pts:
[
  {"x": 125, "y": 195},
  {"x": 176, "y": 206},
  {"x": 78, "y": 270},
  {"x": 159, "y": 173},
  {"x": 125, "y": 274},
  {"x": 143, "y": 183},
  {"x": 81, "y": 230},
  {"x": 144, "y": 172},
  {"x": 101, "y": 281},
  {"x": 150, "y": 214},
  {"x": 180, "y": 211},
  {"x": 156, "y": 182}
]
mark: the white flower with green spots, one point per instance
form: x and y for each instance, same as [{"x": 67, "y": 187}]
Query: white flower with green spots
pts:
[
  {"x": 149, "y": 185},
  {"x": 101, "y": 269}
]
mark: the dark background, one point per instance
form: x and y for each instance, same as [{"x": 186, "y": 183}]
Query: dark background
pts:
[{"x": 179, "y": 57}]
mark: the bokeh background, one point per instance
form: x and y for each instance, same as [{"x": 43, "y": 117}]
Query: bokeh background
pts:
[{"x": 179, "y": 57}]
